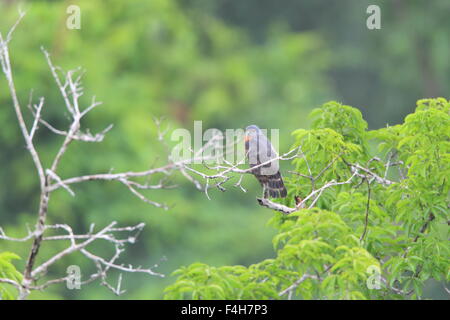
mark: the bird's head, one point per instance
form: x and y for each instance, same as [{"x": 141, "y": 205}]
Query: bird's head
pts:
[{"x": 251, "y": 132}]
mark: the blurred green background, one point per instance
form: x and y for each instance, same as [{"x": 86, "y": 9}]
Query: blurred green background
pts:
[{"x": 227, "y": 63}]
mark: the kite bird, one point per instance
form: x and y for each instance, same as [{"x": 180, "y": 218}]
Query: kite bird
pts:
[{"x": 260, "y": 151}]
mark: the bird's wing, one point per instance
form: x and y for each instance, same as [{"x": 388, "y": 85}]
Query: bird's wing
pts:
[{"x": 266, "y": 153}]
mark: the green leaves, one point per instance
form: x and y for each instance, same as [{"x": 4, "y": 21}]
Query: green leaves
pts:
[
  {"x": 319, "y": 253},
  {"x": 317, "y": 243},
  {"x": 8, "y": 271},
  {"x": 419, "y": 202},
  {"x": 345, "y": 120},
  {"x": 200, "y": 281}
]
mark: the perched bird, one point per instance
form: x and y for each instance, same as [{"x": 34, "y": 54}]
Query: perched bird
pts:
[{"x": 259, "y": 150}]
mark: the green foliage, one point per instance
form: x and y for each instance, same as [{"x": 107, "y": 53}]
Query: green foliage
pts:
[
  {"x": 422, "y": 144},
  {"x": 337, "y": 131},
  {"x": 8, "y": 271},
  {"x": 308, "y": 242},
  {"x": 321, "y": 253},
  {"x": 345, "y": 120}
]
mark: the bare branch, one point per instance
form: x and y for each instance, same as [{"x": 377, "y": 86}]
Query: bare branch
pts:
[
  {"x": 13, "y": 283},
  {"x": 120, "y": 267},
  {"x": 6, "y": 67},
  {"x": 74, "y": 247},
  {"x": 142, "y": 197},
  {"x": 294, "y": 286},
  {"x": 314, "y": 194},
  {"x": 366, "y": 171},
  {"x": 55, "y": 177},
  {"x": 37, "y": 117},
  {"x": 366, "y": 221}
]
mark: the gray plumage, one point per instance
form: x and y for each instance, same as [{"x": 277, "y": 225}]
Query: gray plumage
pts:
[{"x": 259, "y": 150}]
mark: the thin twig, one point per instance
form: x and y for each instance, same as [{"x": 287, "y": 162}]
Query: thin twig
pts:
[{"x": 366, "y": 221}]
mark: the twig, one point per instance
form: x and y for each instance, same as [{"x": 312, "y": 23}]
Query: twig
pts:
[
  {"x": 316, "y": 193},
  {"x": 294, "y": 286},
  {"x": 366, "y": 221}
]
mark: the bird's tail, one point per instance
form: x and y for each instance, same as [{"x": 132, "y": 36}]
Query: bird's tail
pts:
[{"x": 274, "y": 186}]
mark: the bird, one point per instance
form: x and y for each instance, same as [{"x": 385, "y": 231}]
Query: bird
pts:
[{"x": 259, "y": 150}]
